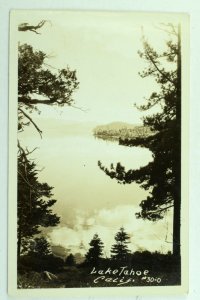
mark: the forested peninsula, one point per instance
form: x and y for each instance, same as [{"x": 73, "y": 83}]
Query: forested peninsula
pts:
[{"x": 120, "y": 130}]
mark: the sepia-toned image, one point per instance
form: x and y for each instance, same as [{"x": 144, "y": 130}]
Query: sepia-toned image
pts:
[{"x": 96, "y": 192}]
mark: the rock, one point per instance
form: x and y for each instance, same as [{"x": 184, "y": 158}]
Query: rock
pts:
[{"x": 49, "y": 275}]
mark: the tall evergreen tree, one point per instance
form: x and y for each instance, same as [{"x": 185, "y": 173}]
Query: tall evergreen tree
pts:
[
  {"x": 95, "y": 251},
  {"x": 41, "y": 247},
  {"x": 120, "y": 249},
  {"x": 162, "y": 176},
  {"x": 37, "y": 84},
  {"x": 34, "y": 202}
]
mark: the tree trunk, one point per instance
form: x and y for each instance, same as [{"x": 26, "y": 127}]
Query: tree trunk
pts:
[
  {"x": 177, "y": 171},
  {"x": 19, "y": 244},
  {"x": 177, "y": 225}
]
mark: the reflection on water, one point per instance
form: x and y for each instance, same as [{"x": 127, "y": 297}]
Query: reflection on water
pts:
[
  {"x": 106, "y": 138},
  {"x": 90, "y": 202},
  {"x": 70, "y": 163}
]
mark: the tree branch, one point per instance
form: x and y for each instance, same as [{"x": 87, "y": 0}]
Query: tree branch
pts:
[
  {"x": 160, "y": 210},
  {"x": 27, "y": 27},
  {"x": 170, "y": 25},
  {"x": 155, "y": 65},
  {"x": 80, "y": 108},
  {"x": 22, "y": 151},
  {"x": 167, "y": 31},
  {"x": 28, "y": 117},
  {"x": 35, "y": 101}
]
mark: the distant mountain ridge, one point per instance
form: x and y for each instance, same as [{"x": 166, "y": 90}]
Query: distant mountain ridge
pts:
[{"x": 116, "y": 126}]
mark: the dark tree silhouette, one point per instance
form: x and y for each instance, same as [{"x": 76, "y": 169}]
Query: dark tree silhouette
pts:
[
  {"x": 120, "y": 249},
  {"x": 41, "y": 247},
  {"x": 34, "y": 202},
  {"x": 95, "y": 251},
  {"x": 70, "y": 260},
  {"x": 38, "y": 85},
  {"x": 162, "y": 176}
]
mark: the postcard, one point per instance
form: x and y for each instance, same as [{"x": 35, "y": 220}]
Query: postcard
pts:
[{"x": 98, "y": 153}]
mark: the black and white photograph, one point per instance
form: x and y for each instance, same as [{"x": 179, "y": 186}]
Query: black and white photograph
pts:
[{"x": 97, "y": 111}]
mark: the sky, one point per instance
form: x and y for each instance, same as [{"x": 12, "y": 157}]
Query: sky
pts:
[{"x": 103, "y": 49}]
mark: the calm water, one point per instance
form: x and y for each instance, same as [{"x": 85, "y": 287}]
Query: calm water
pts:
[
  {"x": 88, "y": 201},
  {"x": 70, "y": 166}
]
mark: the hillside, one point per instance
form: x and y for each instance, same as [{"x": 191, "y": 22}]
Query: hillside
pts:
[
  {"x": 116, "y": 130},
  {"x": 115, "y": 126}
]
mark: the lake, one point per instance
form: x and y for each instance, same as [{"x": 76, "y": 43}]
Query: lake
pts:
[{"x": 88, "y": 201}]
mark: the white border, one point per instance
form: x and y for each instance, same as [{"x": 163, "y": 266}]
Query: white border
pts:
[
  {"x": 12, "y": 190},
  {"x": 193, "y": 8}
]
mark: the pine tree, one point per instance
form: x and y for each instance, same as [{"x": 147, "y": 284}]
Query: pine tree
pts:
[
  {"x": 120, "y": 249},
  {"x": 41, "y": 247},
  {"x": 162, "y": 176},
  {"x": 34, "y": 202},
  {"x": 37, "y": 85},
  {"x": 95, "y": 251},
  {"x": 70, "y": 260}
]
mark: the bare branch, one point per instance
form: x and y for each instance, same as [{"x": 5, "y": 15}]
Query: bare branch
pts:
[
  {"x": 29, "y": 152},
  {"x": 80, "y": 108},
  {"x": 27, "y": 27},
  {"x": 48, "y": 65},
  {"x": 28, "y": 117},
  {"x": 22, "y": 151},
  {"x": 172, "y": 27},
  {"x": 172, "y": 31}
]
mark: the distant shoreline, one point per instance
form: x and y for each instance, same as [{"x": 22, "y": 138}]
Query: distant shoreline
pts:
[{"x": 119, "y": 130}]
